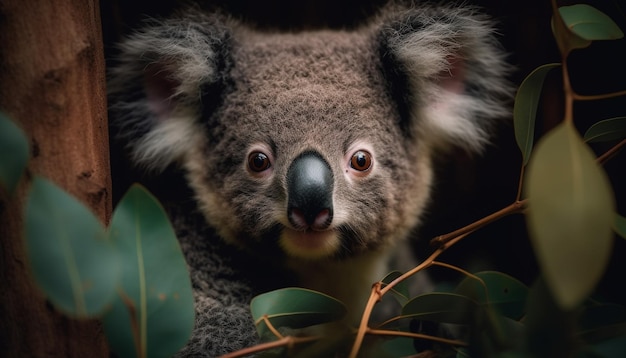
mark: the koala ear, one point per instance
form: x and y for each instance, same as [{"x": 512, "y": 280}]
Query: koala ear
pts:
[
  {"x": 168, "y": 75},
  {"x": 448, "y": 72}
]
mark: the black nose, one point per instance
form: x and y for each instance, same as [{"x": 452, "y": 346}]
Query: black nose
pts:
[{"x": 310, "y": 192}]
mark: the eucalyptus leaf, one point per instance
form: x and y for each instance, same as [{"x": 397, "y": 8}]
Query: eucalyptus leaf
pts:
[
  {"x": 619, "y": 225},
  {"x": 401, "y": 290},
  {"x": 566, "y": 39},
  {"x": 606, "y": 130},
  {"x": 294, "y": 308},
  {"x": 501, "y": 292},
  {"x": 525, "y": 108},
  {"x": 71, "y": 259},
  {"x": 590, "y": 23},
  {"x": 153, "y": 314},
  {"x": 13, "y": 153},
  {"x": 570, "y": 214},
  {"x": 442, "y": 307}
]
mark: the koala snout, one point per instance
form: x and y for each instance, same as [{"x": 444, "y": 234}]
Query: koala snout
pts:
[{"x": 310, "y": 192}]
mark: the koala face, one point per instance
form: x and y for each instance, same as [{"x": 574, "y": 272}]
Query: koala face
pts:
[
  {"x": 318, "y": 142},
  {"x": 306, "y": 149}
]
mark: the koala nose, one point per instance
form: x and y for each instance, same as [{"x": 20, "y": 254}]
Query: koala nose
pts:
[{"x": 310, "y": 192}]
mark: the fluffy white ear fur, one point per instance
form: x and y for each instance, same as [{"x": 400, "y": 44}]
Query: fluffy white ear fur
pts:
[
  {"x": 171, "y": 63},
  {"x": 168, "y": 141},
  {"x": 457, "y": 75}
]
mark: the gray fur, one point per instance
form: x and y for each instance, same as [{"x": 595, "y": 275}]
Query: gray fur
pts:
[{"x": 201, "y": 92}]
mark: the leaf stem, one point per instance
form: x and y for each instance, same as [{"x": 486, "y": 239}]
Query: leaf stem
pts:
[
  {"x": 520, "y": 184},
  {"x": 568, "y": 91}
]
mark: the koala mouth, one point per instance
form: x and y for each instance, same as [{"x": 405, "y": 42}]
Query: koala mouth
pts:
[{"x": 310, "y": 244}]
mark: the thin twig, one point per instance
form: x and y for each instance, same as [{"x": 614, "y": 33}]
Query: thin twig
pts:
[
  {"x": 595, "y": 97},
  {"x": 514, "y": 208},
  {"x": 606, "y": 156},
  {"x": 375, "y": 296},
  {"x": 384, "y": 332}
]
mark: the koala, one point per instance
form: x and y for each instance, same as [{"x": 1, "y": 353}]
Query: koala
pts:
[{"x": 301, "y": 158}]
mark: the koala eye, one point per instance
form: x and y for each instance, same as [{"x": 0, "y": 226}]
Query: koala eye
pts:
[
  {"x": 258, "y": 162},
  {"x": 361, "y": 160}
]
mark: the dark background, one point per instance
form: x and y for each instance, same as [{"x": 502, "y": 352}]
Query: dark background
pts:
[{"x": 468, "y": 188}]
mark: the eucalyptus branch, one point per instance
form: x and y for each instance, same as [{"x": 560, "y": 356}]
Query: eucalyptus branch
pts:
[
  {"x": 516, "y": 207},
  {"x": 378, "y": 292}
]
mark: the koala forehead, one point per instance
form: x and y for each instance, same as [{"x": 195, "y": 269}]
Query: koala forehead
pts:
[{"x": 305, "y": 91}]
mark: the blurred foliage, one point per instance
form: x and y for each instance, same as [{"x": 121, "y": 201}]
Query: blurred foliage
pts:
[{"x": 133, "y": 275}]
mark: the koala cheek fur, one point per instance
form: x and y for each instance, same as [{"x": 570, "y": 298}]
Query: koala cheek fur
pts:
[{"x": 234, "y": 110}]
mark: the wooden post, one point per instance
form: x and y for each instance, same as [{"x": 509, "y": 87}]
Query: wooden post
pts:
[{"x": 52, "y": 83}]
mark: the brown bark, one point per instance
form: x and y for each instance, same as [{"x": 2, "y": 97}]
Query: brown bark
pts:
[{"x": 52, "y": 85}]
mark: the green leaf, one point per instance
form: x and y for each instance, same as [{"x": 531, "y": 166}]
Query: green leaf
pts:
[
  {"x": 153, "y": 314},
  {"x": 401, "y": 290},
  {"x": 69, "y": 255},
  {"x": 442, "y": 307},
  {"x": 570, "y": 214},
  {"x": 294, "y": 308},
  {"x": 13, "y": 153},
  {"x": 505, "y": 294},
  {"x": 590, "y": 23},
  {"x": 607, "y": 130},
  {"x": 525, "y": 108},
  {"x": 619, "y": 225}
]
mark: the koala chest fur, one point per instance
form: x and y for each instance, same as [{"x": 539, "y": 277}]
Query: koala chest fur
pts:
[{"x": 315, "y": 146}]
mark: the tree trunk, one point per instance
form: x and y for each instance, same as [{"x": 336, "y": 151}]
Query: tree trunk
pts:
[{"x": 52, "y": 84}]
